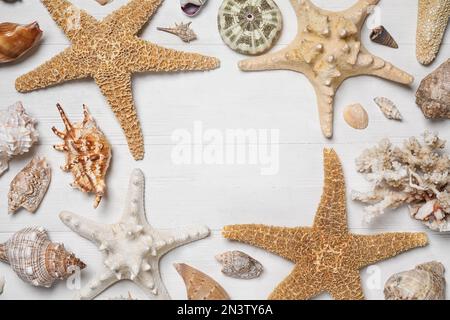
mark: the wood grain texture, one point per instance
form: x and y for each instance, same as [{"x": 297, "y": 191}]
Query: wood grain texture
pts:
[{"x": 217, "y": 195}]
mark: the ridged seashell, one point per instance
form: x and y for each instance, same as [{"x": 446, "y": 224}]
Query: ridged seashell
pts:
[
  {"x": 182, "y": 30},
  {"x": 250, "y": 26},
  {"x": 37, "y": 260},
  {"x": 433, "y": 95},
  {"x": 103, "y": 2},
  {"x": 431, "y": 25},
  {"x": 356, "y": 116},
  {"x": 88, "y": 154},
  {"x": 388, "y": 108},
  {"x": 237, "y": 264},
  {"x": 29, "y": 186},
  {"x": 425, "y": 282},
  {"x": 192, "y": 7},
  {"x": 200, "y": 286},
  {"x": 16, "y": 40},
  {"x": 17, "y": 133},
  {"x": 2, "y": 284},
  {"x": 381, "y": 36}
]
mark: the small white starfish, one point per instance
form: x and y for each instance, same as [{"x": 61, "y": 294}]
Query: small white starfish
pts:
[{"x": 131, "y": 247}]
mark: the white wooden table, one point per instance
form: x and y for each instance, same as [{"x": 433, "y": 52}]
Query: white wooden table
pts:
[{"x": 217, "y": 195}]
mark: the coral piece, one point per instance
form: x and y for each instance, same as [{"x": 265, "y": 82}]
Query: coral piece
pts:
[
  {"x": 327, "y": 256},
  {"x": 110, "y": 52},
  {"x": 356, "y": 116},
  {"x": 431, "y": 24},
  {"x": 250, "y": 27},
  {"x": 131, "y": 247},
  {"x": 237, "y": 264},
  {"x": 2, "y": 283},
  {"x": 200, "y": 286},
  {"x": 328, "y": 50},
  {"x": 381, "y": 36},
  {"x": 182, "y": 30},
  {"x": 192, "y": 7},
  {"x": 37, "y": 260},
  {"x": 17, "y": 133},
  {"x": 425, "y": 282},
  {"x": 433, "y": 95},
  {"x": 88, "y": 154},
  {"x": 416, "y": 174},
  {"x": 16, "y": 40},
  {"x": 29, "y": 186},
  {"x": 388, "y": 108}
]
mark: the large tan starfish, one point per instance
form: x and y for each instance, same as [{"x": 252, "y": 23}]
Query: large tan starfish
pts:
[
  {"x": 110, "y": 52},
  {"x": 327, "y": 257},
  {"x": 328, "y": 50}
]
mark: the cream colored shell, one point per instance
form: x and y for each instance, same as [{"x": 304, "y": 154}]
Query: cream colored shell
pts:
[
  {"x": 356, "y": 116},
  {"x": 388, "y": 108}
]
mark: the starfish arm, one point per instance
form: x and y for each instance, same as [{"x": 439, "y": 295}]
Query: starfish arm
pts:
[
  {"x": 84, "y": 227},
  {"x": 359, "y": 11},
  {"x": 157, "y": 59},
  {"x": 372, "y": 65},
  {"x": 64, "y": 67},
  {"x": 280, "y": 60},
  {"x": 97, "y": 286},
  {"x": 116, "y": 87},
  {"x": 69, "y": 18},
  {"x": 151, "y": 283},
  {"x": 130, "y": 18},
  {"x": 369, "y": 249},
  {"x": 346, "y": 286},
  {"x": 135, "y": 198},
  {"x": 285, "y": 242},
  {"x": 301, "y": 284},
  {"x": 325, "y": 105},
  {"x": 167, "y": 240},
  {"x": 332, "y": 214}
]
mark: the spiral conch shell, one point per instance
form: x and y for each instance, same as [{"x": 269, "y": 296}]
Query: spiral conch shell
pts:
[
  {"x": 17, "y": 133},
  {"x": 88, "y": 154},
  {"x": 425, "y": 282},
  {"x": 29, "y": 186},
  {"x": 200, "y": 286},
  {"x": 237, "y": 264},
  {"x": 37, "y": 260},
  {"x": 192, "y": 7},
  {"x": 16, "y": 40}
]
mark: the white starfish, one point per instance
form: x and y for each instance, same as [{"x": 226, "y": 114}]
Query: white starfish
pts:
[{"x": 131, "y": 247}]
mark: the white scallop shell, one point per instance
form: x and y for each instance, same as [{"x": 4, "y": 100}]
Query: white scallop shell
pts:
[
  {"x": 17, "y": 133},
  {"x": 388, "y": 108}
]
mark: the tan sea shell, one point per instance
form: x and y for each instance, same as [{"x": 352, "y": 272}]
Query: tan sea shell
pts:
[
  {"x": 88, "y": 154},
  {"x": 103, "y": 2},
  {"x": 388, "y": 108},
  {"x": 16, "y": 40},
  {"x": 29, "y": 186},
  {"x": 37, "y": 260},
  {"x": 425, "y": 282},
  {"x": 237, "y": 264},
  {"x": 356, "y": 116},
  {"x": 381, "y": 36},
  {"x": 182, "y": 30},
  {"x": 433, "y": 95},
  {"x": 200, "y": 286}
]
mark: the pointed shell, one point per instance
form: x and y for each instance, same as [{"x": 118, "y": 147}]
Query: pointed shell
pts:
[
  {"x": 37, "y": 260},
  {"x": 388, "y": 108},
  {"x": 192, "y": 7},
  {"x": 16, "y": 40},
  {"x": 356, "y": 116},
  {"x": 381, "y": 36},
  {"x": 182, "y": 30},
  {"x": 250, "y": 27},
  {"x": 88, "y": 154},
  {"x": 199, "y": 286},
  {"x": 424, "y": 282},
  {"x": 29, "y": 186},
  {"x": 237, "y": 264},
  {"x": 17, "y": 133}
]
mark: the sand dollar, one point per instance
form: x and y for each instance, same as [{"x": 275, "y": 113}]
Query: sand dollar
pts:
[{"x": 250, "y": 26}]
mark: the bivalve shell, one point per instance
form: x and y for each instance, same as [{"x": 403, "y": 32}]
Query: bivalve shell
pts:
[{"x": 356, "y": 116}]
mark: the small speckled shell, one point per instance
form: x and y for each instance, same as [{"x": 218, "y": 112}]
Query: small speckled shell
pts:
[
  {"x": 29, "y": 186},
  {"x": 37, "y": 260},
  {"x": 388, "y": 108},
  {"x": 425, "y": 282},
  {"x": 356, "y": 116},
  {"x": 237, "y": 264},
  {"x": 381, "y": 36},
  {"x": 88, "y": 154},
  {"x": 250, "y": 27},
  {"x": 182, "y": 30},
  {"x": 200, "y": 286}
]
